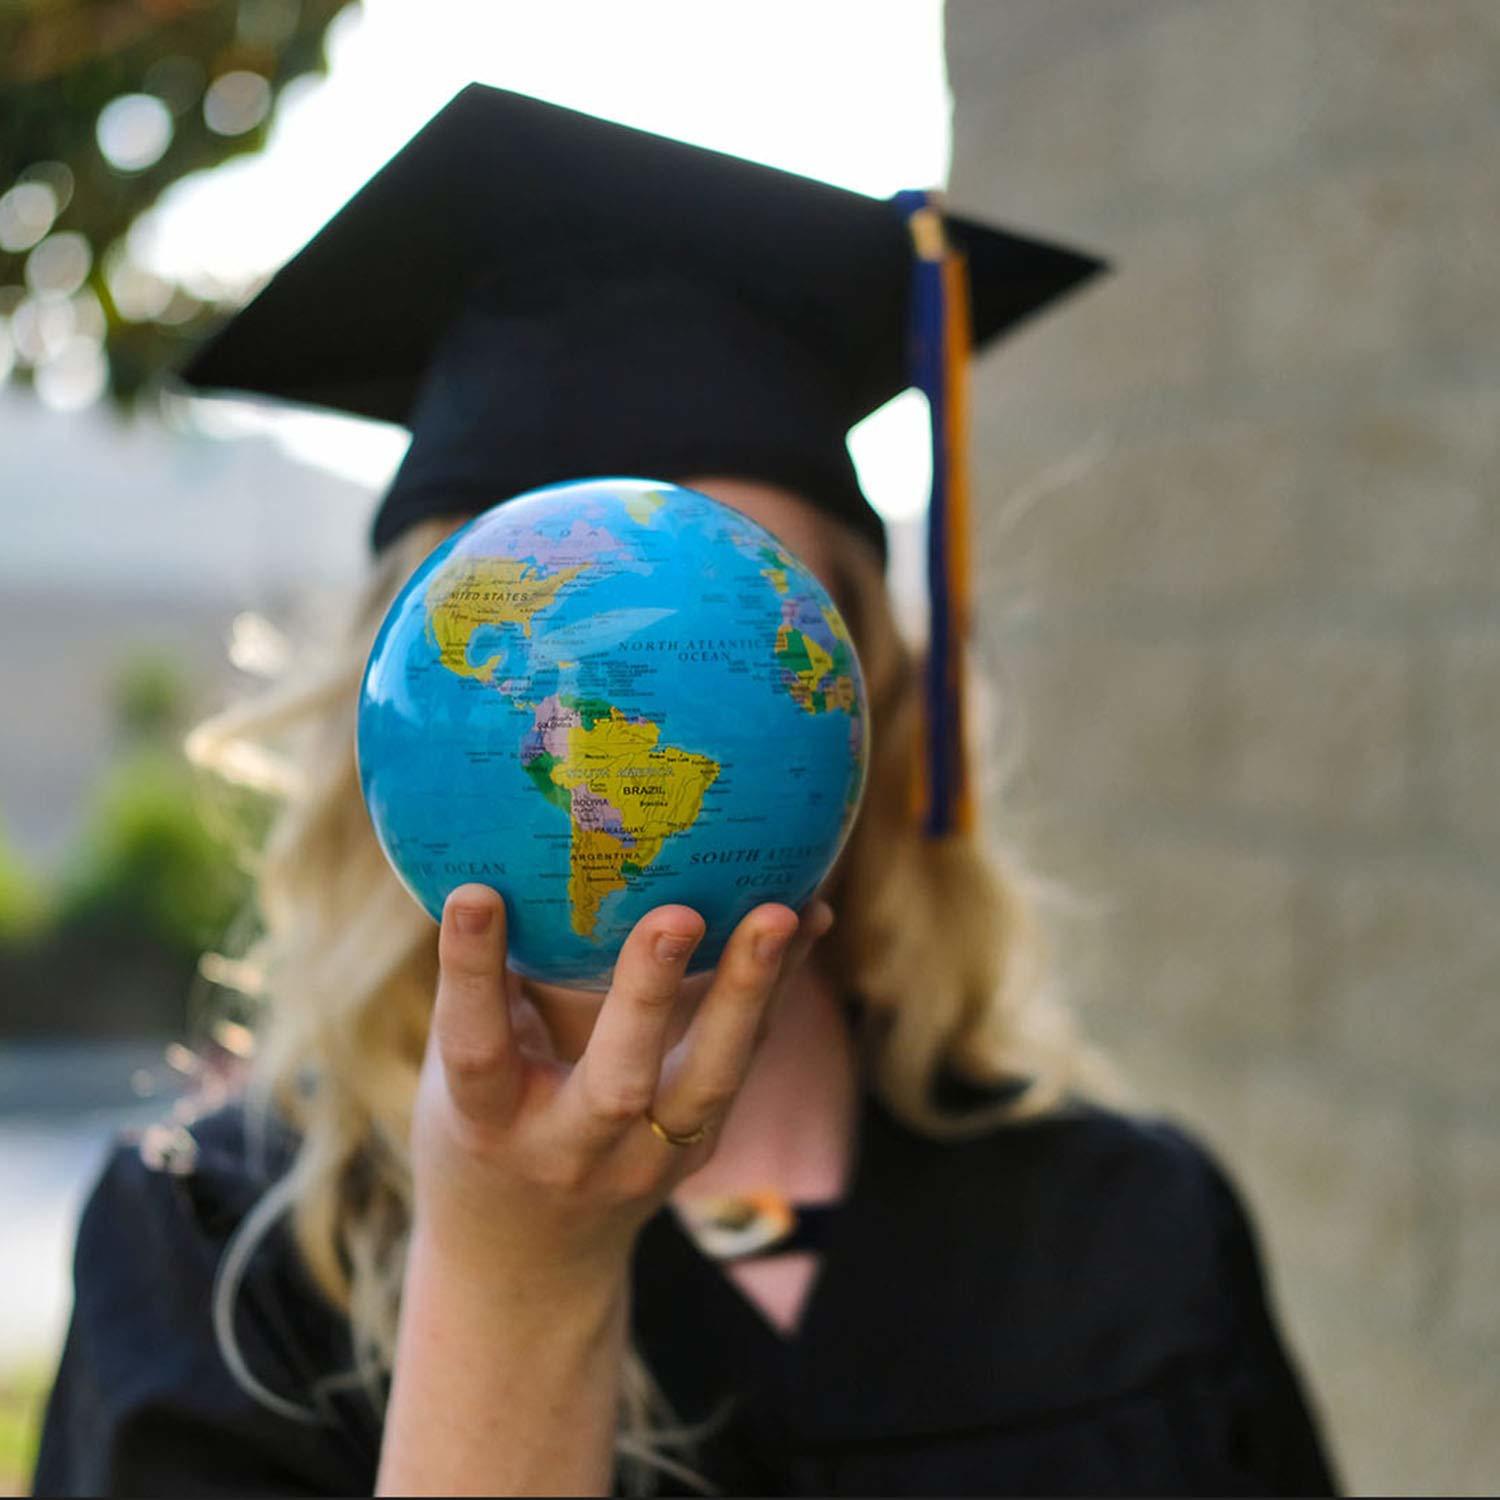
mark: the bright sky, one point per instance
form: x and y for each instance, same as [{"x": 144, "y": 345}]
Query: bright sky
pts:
[{"x": 851, "y": 91}]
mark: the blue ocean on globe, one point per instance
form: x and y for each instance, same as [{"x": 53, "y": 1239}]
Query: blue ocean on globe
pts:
[{"x": 604, "y": 696}]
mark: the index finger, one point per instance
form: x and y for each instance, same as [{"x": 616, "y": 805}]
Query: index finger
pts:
[{"x": 471, "y": 1016}]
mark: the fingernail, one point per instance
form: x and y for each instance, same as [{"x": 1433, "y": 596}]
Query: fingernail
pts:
[
  {"x": 669, "y": 949},
  {"x": 471, "y": 920},
  {"x": 769, "y": 946}
]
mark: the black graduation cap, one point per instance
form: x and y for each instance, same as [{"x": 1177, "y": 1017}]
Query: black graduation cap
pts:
[{"x": 541, "y": 295}]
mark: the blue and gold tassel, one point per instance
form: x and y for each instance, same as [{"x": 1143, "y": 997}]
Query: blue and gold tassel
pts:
[{"x": 940, "y": 337}]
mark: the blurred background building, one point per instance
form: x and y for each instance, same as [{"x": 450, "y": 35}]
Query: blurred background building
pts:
[
  {"x": 1240, "y": 549},
  {"x": 1241, "y": 556}
]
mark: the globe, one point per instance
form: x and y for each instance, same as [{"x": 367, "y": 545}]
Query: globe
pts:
[{"x": 603, "y": 696}]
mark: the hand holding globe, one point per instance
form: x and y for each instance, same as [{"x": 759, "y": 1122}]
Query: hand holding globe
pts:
[{"x": 602, "y": 697}]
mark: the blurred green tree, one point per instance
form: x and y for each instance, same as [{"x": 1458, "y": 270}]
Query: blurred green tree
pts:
[
  {"x": 148, "y": 865},
  {"x": 106, "y": 103},
  {"x": 159, "y": 873},
  {"x": 150, "y": 698},
  {"x": 23, "y": 898},
  {"x": 158, "y": 860}
]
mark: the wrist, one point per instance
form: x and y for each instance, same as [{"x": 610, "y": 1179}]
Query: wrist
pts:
[
  {"x": 514, "y": 1278},
  {"x": 504, "y": 1382}
]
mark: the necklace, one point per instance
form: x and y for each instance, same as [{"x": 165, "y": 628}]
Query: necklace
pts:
[{"x": 736, "y": 1226}]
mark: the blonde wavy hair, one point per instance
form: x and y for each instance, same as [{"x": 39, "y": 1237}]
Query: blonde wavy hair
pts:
[{"x": 937, "y": 941}]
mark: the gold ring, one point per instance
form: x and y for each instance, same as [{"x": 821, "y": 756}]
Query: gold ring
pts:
[{"x": 675, "y": 1140}]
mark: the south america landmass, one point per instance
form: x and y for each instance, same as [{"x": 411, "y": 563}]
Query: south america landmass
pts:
[{"x": 623, "y": 792}]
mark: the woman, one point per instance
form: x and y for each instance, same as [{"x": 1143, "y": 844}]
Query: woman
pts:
[{"x": 452, "y": 1242}]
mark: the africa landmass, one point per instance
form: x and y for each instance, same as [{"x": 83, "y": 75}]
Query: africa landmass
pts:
[{"x": 813, "y": 647}]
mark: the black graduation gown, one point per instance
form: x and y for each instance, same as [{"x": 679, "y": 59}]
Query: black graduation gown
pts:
[{"x": 1069, "y": 1306}]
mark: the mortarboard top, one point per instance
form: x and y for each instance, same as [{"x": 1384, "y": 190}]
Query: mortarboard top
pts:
[{"x": 570, "y": 285}]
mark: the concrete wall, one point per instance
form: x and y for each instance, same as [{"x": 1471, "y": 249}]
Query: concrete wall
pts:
[{"x": 1240, "y": 567}]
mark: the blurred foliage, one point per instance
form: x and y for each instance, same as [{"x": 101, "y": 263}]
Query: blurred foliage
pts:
[
  {"x": 148, "y": 864},
  {"x": 24, "y": 906},
  {"x": 61, "y": 63},
  {"x": 161, "y": 859},
  {"x": 158, "y": 859},
  {"x": 22, "y": 1395},
  {"x": 150, "y": 698},
  {"x": 158, "y": 878}
]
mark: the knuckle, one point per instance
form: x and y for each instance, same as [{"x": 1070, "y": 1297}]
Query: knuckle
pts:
[
  {"x": 746, "y": 972},
  {"x": 465, "y": 960},
  {"x": 653, "y": 997},
  {"x": 636, "y": 1181},
  {"x": 465, "y": 1059},
  {"x": 737, "y": 978},
  {"x": 709, "y": 1097},
  {"x": 559, "y": 1171},
  {"x": 620, "y": 1101},
  {"x": 475, "y": 1139},
  {"x": 465, "y": 987}
]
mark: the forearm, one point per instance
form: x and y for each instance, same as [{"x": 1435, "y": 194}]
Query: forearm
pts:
[{"x": 508, "y": 1394}]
